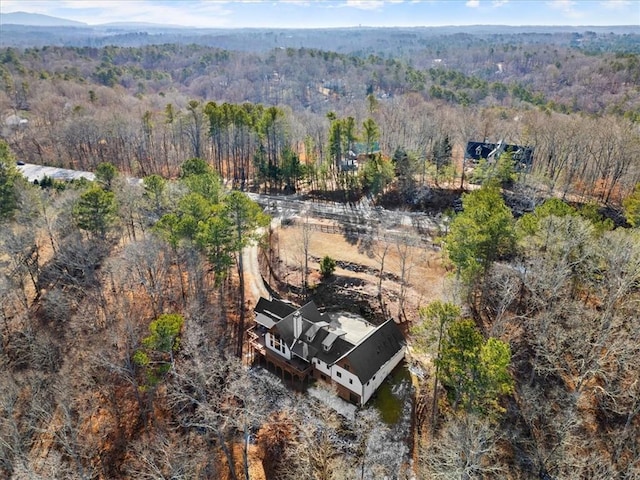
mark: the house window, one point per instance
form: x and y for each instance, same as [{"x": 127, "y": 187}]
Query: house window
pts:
[
  {"x": 339, "y": 374},
  {"x": 346, "y": 367},
  {"x": 351, "y": 381}
]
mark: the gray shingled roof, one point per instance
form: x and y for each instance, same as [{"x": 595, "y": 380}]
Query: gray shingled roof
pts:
[
  {"x": 366, "y": 358},
  {"x": 375, "y": 350},
  {"x": 310, "y": 312},
  {"x": 480, "y": 150},
  {"x": 339, "y": 349},
  {"x": 311, "y": 316},
  {"x": 275, "y": 309}
]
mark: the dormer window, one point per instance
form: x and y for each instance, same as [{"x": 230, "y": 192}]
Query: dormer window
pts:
[{"x": 329, "y": 340}]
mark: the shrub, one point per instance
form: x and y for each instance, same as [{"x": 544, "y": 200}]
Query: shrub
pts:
[{"x": 327, "y": 266}]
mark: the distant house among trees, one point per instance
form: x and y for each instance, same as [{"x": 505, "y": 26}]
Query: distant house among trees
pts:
[
  {"x": 361, "y": 150},
  {"x": 15, "y": 121},
  {"x": 522, "y": 156},
  {"x": 358, "y": 154},
  {"x": 12, "y": 123},
  {"x": 37, "y": 173},
  {"x": 346, "y": 351}
]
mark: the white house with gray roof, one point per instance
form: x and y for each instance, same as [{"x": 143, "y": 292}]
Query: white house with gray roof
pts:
[{"x": 342, "y": 349}]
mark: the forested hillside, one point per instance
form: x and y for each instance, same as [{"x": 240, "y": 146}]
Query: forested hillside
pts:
[
  {"x": 122, "y": 303},
  {"x": 148, "y": 109}
]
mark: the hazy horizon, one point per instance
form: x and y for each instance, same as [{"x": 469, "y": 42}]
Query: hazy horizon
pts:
[{"x": 337, "y": 14}]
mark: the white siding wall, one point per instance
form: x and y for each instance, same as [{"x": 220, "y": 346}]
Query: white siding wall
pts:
[
  {"x": 322, "y": 367},
  {"x": 380, "y": 375},
  {"x": 267, "y": 340},
  {"x": 344, "y": 378}
]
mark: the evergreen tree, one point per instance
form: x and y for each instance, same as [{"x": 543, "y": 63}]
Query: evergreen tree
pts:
[
  {"x": 376, "y": 174},
  {"x": 215, "y": 237},
  {"x": 631, "y": 206},
  {"x": 474, "y": 371},
  {"x": 291, "y": 169},
  {"x": 529, "y": 223},
  {"x": 9, "y": 179},
  {"x": 154, "y": 191},
  {"x": 436, "y": 317},
  {"x": 158, "y": 348},
  {"x": 106, "y": 173},
  {"x": 246, "y": 218},
  {"x": 406, "y": 167},
  {"x": 481, "y": 234},
  {"x": 194, "y": 166},
  {"x": 371, "y": 134},
  {"x": 442, "y": 149},
  {"x": 335, "y": 139},
  {"x": 95, "y": 211},
  {"x": 327, "y": 266}
]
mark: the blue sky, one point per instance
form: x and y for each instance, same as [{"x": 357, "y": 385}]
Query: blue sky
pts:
[{"x": 337, "y": 13}]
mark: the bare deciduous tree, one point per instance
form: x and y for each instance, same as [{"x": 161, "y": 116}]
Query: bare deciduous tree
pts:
[{"x": 466, "y": 448}]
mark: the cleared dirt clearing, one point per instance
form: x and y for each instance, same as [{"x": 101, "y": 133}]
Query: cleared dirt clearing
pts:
[{"x": 427, "y": 278}]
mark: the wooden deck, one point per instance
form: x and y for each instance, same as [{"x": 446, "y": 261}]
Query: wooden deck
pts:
[{"x": 296, "y": 368}]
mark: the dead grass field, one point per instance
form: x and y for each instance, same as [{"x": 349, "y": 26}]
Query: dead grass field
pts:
[{"x": 427, "y": 278}]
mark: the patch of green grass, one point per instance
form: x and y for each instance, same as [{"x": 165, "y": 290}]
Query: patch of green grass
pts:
[{"x": 388, "y": 404}]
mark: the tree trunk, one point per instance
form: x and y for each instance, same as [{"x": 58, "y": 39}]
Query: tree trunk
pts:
[{"x": 240, "y": 339}]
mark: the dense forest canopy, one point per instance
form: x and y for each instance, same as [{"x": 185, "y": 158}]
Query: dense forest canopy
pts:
[
  {"x": 394, "y": 42},
  {"x": 146, "y": 108},
  {"x": 122, "y": 303}
]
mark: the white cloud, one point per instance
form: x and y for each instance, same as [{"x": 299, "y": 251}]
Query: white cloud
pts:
[
  {"x": 616, "y": 3},
  {"x": 473, "y": 3},
  {"x": 561, "y": 4},
  {"x": 7, "y": 6},
  {"x": 566, "y": 7},
  {"x": 365, "y": 4},
  {"x": 499, "y": 3}
]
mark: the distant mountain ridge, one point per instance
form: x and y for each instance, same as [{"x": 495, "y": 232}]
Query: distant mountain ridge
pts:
[
  {"x": 24, "y": 30},
  {"x": 37, "y": 20},
  {"x": 139, "y": 25}
]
